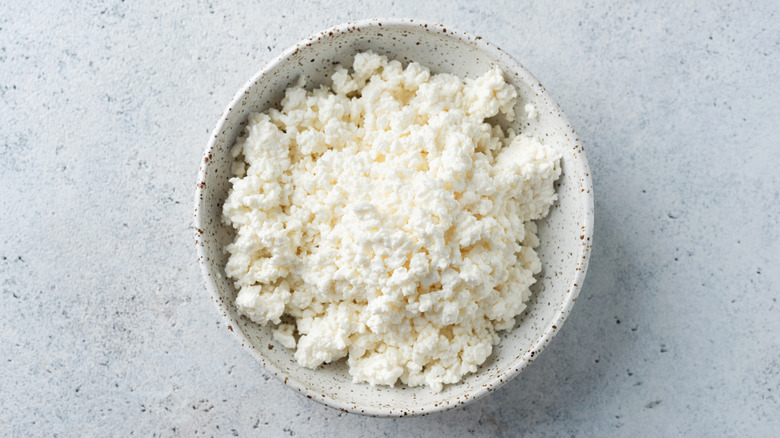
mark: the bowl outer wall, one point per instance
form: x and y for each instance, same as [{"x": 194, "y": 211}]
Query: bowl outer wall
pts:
[{"x": 494, "y": 373}]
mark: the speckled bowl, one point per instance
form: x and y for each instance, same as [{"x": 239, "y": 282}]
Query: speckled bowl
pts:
[{"x": 565, "y": 234}]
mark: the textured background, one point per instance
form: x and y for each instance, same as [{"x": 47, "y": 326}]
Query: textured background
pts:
[{"x": 106, "y": 325}]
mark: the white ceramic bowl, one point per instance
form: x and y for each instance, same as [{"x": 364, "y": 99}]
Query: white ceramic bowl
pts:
[{"x": 565, "y": 234}]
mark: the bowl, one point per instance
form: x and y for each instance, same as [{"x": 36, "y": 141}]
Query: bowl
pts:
[{"x": 565, "y": 234}]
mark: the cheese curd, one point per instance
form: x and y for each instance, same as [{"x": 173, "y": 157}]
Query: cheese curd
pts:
[{"x": 387, "y": 221}]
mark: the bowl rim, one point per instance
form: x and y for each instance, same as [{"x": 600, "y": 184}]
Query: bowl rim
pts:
[{"x": 519, "y": 363}]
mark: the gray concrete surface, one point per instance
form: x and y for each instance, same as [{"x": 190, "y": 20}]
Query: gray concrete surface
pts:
[{"x": 107, "y": 329}]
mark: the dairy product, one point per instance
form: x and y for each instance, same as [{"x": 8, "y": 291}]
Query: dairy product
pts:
[{"x": 387, "y": 221}]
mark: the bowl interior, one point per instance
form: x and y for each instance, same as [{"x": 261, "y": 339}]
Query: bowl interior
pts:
[{"x": 565, "y": 233}]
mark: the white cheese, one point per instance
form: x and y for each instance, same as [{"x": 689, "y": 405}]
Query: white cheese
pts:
[
  {"x": 389, "y": 220},
  {"x": 283, "y": 334}
]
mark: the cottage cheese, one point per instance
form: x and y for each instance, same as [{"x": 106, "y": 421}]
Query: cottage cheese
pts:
[{"x": 386, "y": 221}]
